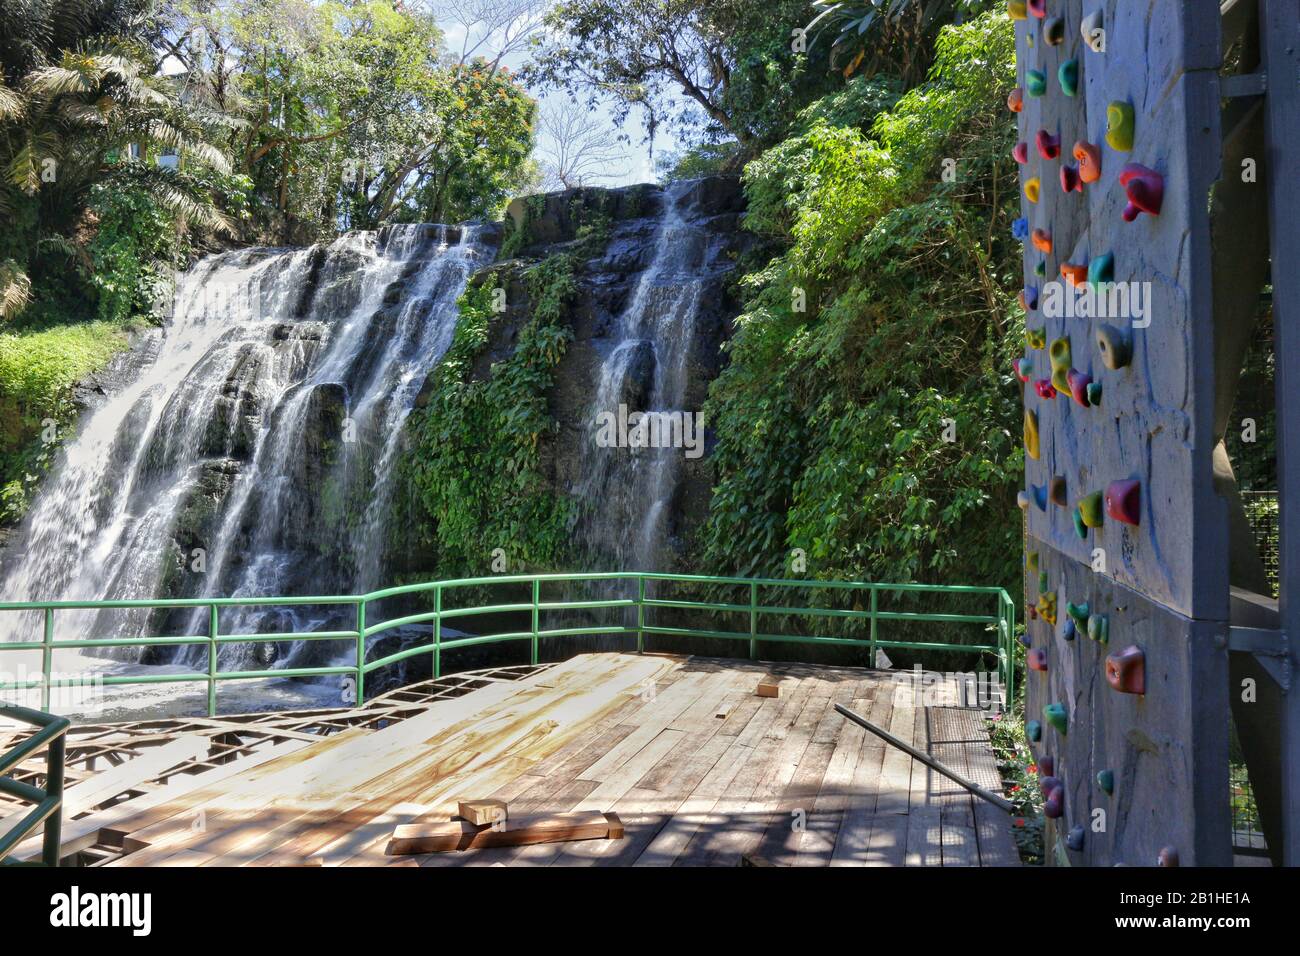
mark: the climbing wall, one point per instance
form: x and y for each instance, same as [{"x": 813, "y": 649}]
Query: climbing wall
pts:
[{"x": 1126, "y": 554}]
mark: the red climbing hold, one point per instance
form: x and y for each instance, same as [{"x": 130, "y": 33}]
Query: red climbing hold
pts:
[
  {"x": 1037, "y": 659},
  {"x": 1126, "y": 671},
  {"x": 1145, "y": 189},
  {"x": 1124, "y": 501},
  {"x": 1045, "y": 388},
  {"x": 1079, "y": 382},
  {"x": 1074, "y": 274},
  {"x": 1054, "y": 804},
  {"x": 1021, "y": 153},
  {"x": 1071, "y": 181},
  {"x": 1042, "y": 240},
  {"x": 1038, "y": 8},
  {"x": 1088, "y": 157},
  {"x": 1049, "y": 146},
  {"x": 1016, "y": 101}
]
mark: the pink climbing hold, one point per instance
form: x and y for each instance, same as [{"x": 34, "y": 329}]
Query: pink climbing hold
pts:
[
  {"x": 1037, "y": 660},
  {"x": 1047, "y": 765},
  {"x": 1038, "y": 8},
  {"x": 1021, "y": 153},
  {"x": 1079, "y": 382},
  {"x": 1054, "y": 803},
  {"x": 1049, "y": 146},
  {"x": 1145, "y": 189},
  {"x": 1045, "y": 388},
  {"x": 1124, "y": 501}
]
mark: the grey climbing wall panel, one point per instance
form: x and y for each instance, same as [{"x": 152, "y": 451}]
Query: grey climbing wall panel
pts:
[{"x": 1162, "y": 582}]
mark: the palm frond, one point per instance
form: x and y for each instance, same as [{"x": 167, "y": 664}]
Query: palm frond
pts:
[
  {"x": 15, "y": 289},
  {"x": 12, "y": 105}
]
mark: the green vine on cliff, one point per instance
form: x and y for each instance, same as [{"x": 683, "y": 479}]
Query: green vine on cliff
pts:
[{"x": 476, "y": 464}]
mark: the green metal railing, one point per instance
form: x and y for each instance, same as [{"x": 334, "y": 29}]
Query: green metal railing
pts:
[
  {"x": 1000, "y": 618},
  {"x": 49, "y": 801}
]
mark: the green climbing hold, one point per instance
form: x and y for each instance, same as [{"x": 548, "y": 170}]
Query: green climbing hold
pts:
[
  {"x": 1036, "y": 83},
  {"x": 1036, "y": 338},
  {"x": 1099, "y": 628},
  {"x": 1093, "y": 509},
  {"x": 1120, "y": 124},
  {"x": 1060, "y": 355},
  {"x": 1078, "y": 613},
  {"x": 1080, "y": 528},
  {"x": 1094, "y": 394},
  {"x": 1106, "y": 780},
  {"x": 1101, "y": 269},
  {"x": 1040, "y": 270},
  {"x": 1055, "y": 715},
  {"x": 1043, "y": 583},
  {"x": 1068, "y": 74},
  {"x": 1033, "y": 730}
]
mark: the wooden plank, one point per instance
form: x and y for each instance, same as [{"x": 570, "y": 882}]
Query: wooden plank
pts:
[
  {"x": 483, "y": 812},
  {"x": 853, "y": 841},
  {"x": 462, "y": 835}
]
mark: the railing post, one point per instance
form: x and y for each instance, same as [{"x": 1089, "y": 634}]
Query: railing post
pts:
[
  {"x": 437, "y": 632},
  {"x": 537, "y": 596},
  {"x": 875, "y": 606},
  {"x": 753, "y": 622},
  {"x": 54, "y": 788},
  {"x": 361, "y": 652},
  {"x": 640, "y": 613},
  {"x": 47, "y": 658},
  {"x": 1009, "y": 615},
  {"x": 213, "y": 626}
]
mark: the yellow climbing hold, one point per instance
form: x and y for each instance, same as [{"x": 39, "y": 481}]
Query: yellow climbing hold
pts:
[
  {"x": 1032, "y": 187},
  {"x": 1031, "y": 434}
]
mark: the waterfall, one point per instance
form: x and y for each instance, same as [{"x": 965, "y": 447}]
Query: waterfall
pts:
[
  {"x": 628, "y": 491},
  {"x": 253, "y": 455}
]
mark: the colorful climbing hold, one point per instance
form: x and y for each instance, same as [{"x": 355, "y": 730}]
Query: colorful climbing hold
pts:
[
  {"x": 1020, "y": 153},
  {"x": 1033, "y": 730},
  {"x": 1036, "y": 338},
  {"x": 1054, "y": 803},
  {"x": 1056, "y": 491},
  {"x": 1020, "y": 228},
  {"x": 1037, "y": 7},
  {"x": 1070, "y": 180},
  {"x": 1088, "y": 157},
  {"x": 1099, "y": 628},
  {"x": 1115, "y": 346},
  {"x": 1060, "y": 356},
  {"x": 1032, "y": 187},
  {"x": 1036, "y": 660},
  {"x": 1079, "y": 382},
  {"x": 1031, "y": 561},
  {"x": 1145, "y": 189},
  {"x": 1093, "y": 33},
  {"x": 1126, "y": 670},
  {"x": 1031, "y": 612},
  {"x": 1054, "y": 31},
  {"x": 1080, "y": 529},
  {"x": 1077, "y": 612},
  {"x": 1040, "y": 496},
  {"x": 1042, "y": 581},
  {"x": 1022, "y": 500},
  {"x": 1101, "y": 269},
  {"x": 1074, "y": 839},
  {"x": 1106, "y": 780},
  {"x": 1023, "y": 368},
  {"x": 1074, "y": 273},
  {"x": 1068, "y": 74},
  {"x": 1042, "y": 240},
  {"x": 1049, "y": 146},
  {"x": 1035, "y": 82},
  {"x": 1040, "y": 268},
  {"x": 1168, "y": 856},
  {"x": 1090, "y": 506},
  {"x": 1047, "y": 606},
  {"x": 1046, "y": 767},
  {"x": 1016, "y": 100},
  {"x": 1124, "y": 501},
  {"x": 1047, "y": 782},
  {"x": 1016, "y": 10},
  {"x": 1094, "y": 394},
  {"x": 1024, "y": 640},
  {"x": 1031, "y": 434},
  {"x": 1120, "y": 124},
  {"x": 1029, "y": 298},
  {"x": 1045, "y": 388},
  {"x": 1069, "y": 631},
  {"x": 1055, "y": 714}
]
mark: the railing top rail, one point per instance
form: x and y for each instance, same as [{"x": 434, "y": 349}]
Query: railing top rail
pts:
[{"x": 556, "y": 577}]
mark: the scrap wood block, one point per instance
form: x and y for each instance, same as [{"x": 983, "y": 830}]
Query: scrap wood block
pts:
[
  {"x": 768, "y": 687},
  {"x": 482, "y": 812},
  {"x": 519, "y": 831}
]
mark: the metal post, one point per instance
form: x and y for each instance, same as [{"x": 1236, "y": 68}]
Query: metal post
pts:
[
  {"x": 361, "y": 653},
  {"x": 47, "y": 658},
  {"x": 537, "y": 595},
  {"x": 437, "y": 633},
  {"x": 875, "y": 606},
  {"x": 212, "y": 660},
  {"x": 54, "y": 788},
  {"x": 640, "y": 614},
  {"x": 753, "y": 622}
]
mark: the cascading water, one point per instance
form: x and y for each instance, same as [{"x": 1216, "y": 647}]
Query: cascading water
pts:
[
  {"x": 253, "y": 455},
  {"x": 628, "y": 490}
]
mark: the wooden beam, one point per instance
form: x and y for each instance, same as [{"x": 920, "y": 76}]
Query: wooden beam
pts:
[{"x": 522, "y": 831}]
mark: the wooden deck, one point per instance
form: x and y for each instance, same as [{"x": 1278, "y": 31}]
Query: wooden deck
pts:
[{"x": 700, "y": 770}]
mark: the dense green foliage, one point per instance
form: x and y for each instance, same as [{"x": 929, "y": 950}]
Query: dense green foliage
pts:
[
  {"x": 881, "y": 331},
  {"x": 475, "y": 465}
]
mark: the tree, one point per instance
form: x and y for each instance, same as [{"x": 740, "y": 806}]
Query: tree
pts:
[
  {"x": 77, "y": 103},
  {"x": 893, "y": 36},
  {"x": 575, "y": 147},
  {"x": 494, "y": 30},
  {"x": 713, "y": 68}
]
